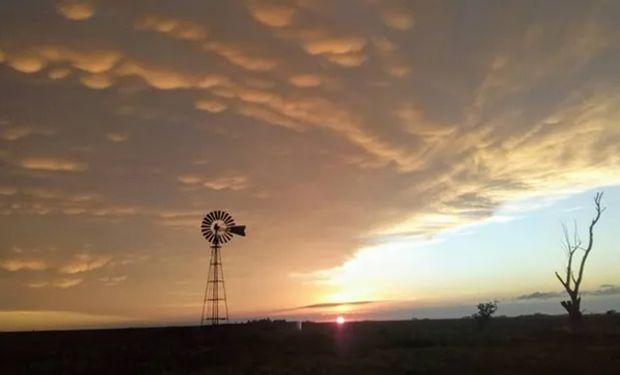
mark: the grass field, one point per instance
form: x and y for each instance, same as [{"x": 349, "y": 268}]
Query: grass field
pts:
[{"x": 524, "y": 345}]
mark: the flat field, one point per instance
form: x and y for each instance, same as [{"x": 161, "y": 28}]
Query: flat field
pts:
[{"x": 524, "y": 345}]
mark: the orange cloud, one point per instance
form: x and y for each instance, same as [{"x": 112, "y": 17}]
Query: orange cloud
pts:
[
  {"x": 305, "y": 80},
  {"x": 75, "y": 10},
  {"x": 53, "y": 164},
  {"x": 160, "y": 78},
  {"x": 190, "y": 179},
  {"x": 84, "y": 263},
  {"x": 66, "y": 282},
  {"x": 227, "y": 183},
  {"x": 212, "y": 106},
  {"x": 237, "y": 56},
  {"x": 271, "y": 14},
  {"x": 26, "y": 63},
  {"x": 97, "y": 61},
  {"x": 398, "y": 19},
  {"x": 176, "y": 28},
  {"x": 268, "y": 116},
  {"x": 59, "y": 73},
  {"x": 112, "y": 280},
  {"x": 16, "y": 132},
  {"x": 335, "y": 45},
  {"x": 23, "y": 264},
  {"x": 347, "y": 59},
  {"x": 116, "y": 137},
  {"x": 8, "y": 190},
  {"x": 97, "y": 81}
]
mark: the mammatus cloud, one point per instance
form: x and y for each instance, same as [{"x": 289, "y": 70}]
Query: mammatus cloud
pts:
[
  {"x": 272, "y": 14},
  {"x": 181, "y": 29},
  {"x": 294, "y": 114}
]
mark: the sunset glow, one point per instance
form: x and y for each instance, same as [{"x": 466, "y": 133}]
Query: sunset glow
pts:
[{"x": 390, "y": 159}]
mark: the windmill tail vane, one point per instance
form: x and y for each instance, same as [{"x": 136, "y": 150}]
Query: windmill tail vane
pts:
[{"x": 217, "y": 227}]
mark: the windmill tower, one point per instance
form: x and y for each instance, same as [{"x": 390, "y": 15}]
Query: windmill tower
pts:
[{"x": 218, "y": 227}]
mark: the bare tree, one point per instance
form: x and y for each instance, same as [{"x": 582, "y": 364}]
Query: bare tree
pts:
[{"x": 572, "y": 282}]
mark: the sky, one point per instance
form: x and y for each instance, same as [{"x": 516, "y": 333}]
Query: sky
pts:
[{"x": 390, "y": 159}]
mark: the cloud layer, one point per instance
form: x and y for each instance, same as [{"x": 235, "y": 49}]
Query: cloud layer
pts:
[{"x": 311, "y": 122}]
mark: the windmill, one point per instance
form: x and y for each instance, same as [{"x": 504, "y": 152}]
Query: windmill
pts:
[{"x": 218, "y": 227}]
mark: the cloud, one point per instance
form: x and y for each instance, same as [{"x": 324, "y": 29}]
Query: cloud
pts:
[
  {"x": 271, "y": 13},
  {"x": 238, "y": 56},
  {"x": 315, "y": 106},
  {"x": 335, "y": 304},
  {"x": 117, "y": 137},
  {"x": 66, "y": 282},
  {"x": 190, "y": 179},
  {"x": 348, "y": 60},
  {"x": 541, "y": 295},
  {"x": 335, "y": 45},
  {"x": 75, "y": 10},
  {"x": 84, "y": 263},
  {"x": 210, "y": 105},
  {"x": 398, "y": 19},
  {"x": 97, "y": 81},
  {"x": 181, "y": 29},
  {"x": 604, "y": 290},
  {"x": 8, "y": 190},
  {"x": 26, "y": 63},
  {"x": 61, "y": 283},
  {"x": 305, "y": 80},
  {"x": 91, "y": 61},
  {"x": 234, "y": 183},
  {"x": 112, "y": 280},
  {"x": 59, "y": 73},
  {"x": 16, "y": 132},
  {"x": 23, "y": 264},
  {"x": 165, "y": 78},
  {"x": 53, "y": 164}
]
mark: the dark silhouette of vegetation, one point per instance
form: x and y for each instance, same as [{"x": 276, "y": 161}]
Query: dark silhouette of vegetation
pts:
[
  {"x": 571, "y": 281},
  {"x": 524, "y": 345},
  {"x": 485, "y": 313}
]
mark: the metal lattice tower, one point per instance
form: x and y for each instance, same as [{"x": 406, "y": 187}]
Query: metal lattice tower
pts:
[{"x": 217, "y": 227}]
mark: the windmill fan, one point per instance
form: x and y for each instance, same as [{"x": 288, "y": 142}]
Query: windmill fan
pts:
[{"x": 218, "y": 227}]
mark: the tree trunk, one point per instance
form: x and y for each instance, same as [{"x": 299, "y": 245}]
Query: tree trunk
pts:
[{"x": 573, "y": 307}]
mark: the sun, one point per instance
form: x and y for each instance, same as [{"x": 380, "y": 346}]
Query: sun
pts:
[{"x": 340, "y": 319}]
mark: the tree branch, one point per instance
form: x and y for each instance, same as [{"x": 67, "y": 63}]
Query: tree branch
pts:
[{"x": 599, "y": 210}]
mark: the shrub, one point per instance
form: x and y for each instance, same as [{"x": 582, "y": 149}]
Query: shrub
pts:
[{"x": 485, "y": 313}]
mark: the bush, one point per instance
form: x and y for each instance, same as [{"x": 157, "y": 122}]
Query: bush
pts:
[{"x": 485, "y": 313}]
